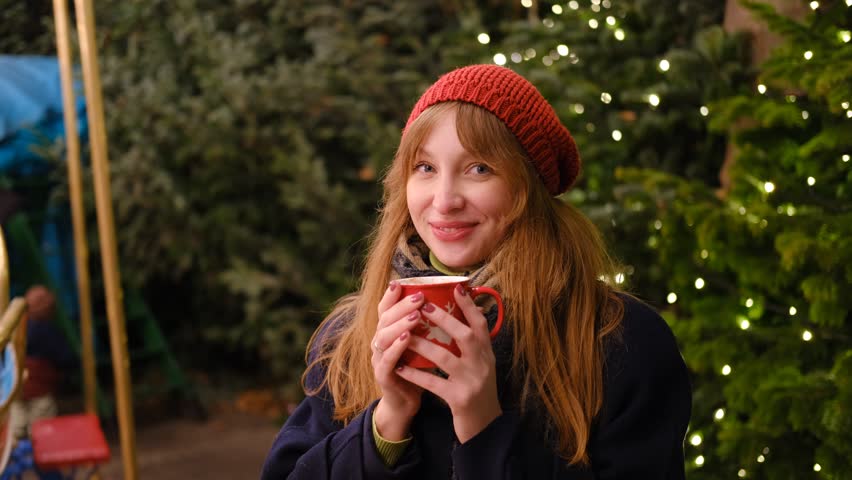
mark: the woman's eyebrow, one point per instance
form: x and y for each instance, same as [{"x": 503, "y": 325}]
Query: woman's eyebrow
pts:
[{"x": 424, "y": 152}]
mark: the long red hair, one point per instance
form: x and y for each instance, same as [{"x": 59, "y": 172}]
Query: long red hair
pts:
[{"x": 550, "y": 269}]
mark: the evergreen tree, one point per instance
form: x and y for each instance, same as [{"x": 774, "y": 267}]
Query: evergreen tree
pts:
[
  {"x": 631, "y": 80},
  {"x": 759, "y": 271}
]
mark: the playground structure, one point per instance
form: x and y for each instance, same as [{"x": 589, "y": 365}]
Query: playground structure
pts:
[{"x": 29, "y": 267}]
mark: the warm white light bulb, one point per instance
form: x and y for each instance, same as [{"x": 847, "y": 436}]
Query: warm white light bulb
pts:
[
  {"x": 761, "y": 459},
  {"x": 845, "y": 105},
  {"x": 808, "y": 55},
  {"x": 619, "y": 34},
  {"x": 616, "y": 135},
  {"x": 483, "y": 38},
  {"x": 845, "y": 158},
  {"x": 749, "y": 303},
  {"x": 793, "y": 311},
  {"x": 807, "y": 336},
  {"x": 811, "y": 181},
  {"x": 654, "y": 99},
  {"x": 726, "y": 370},
  {"x": 665, "y": 65},
  {"x": 579, "y": 108},
  {"x": 610, "y": 20},
  {"x": 573, "y": 5},
  {"x": 769, "y": 187},
  {"x": 720, "y": 414},
  {"x": 526, "y": 3},
  {"x": 805, "y": 114},
  {"x": 619, "y": 278},
  {"x": 699, "y": 460},
  {"x": 814, "y": 5},
  {"x": 695, "y": 440},
  {"x": 672, "y": 297},
  {"x": 563, "y": 50},
  {"x": 741, "y": 473},
  {"x": 704, "y": 111},
  {"x": 761, "y": 88},
  {"x": 744, "y": 324},
  {"x": 699, "y": 283},
  {"x": 817, "y": 467},
  {"x": 500, "y": 59},
  {"x": 593, "y": 23},
  {"x": 606, "y": 97},
  {"x": 557, "y": 9},
  {"x": 845, "y": 36}
]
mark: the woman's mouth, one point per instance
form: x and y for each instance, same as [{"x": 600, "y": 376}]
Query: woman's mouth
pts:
[{"x": 449, "y": 232}]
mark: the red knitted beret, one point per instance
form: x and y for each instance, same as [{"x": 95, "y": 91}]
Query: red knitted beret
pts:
[{"x": 521, "y": 107}]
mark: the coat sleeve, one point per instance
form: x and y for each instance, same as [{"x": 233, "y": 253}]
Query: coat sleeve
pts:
[
  {"x": 647, "y": 403},
  {"x": 313, "y": 446}
]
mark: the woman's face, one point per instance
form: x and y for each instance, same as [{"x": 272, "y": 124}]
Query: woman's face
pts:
[{"x": 458, "y": 203}]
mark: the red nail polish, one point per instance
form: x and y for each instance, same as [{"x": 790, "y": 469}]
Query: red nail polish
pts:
[
  {"x": 417, "y": 297},
  {"x": 461, "y": 290},
  {"x": 400, "y": 367},
  {"x": 428, "y": 308},
  {"x": 403, "y": 336},
  {"x": 413, "y": 316},
  {"x": 393, "y": 285}
]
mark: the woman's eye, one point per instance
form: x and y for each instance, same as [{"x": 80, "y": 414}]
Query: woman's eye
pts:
[
  {"x": 424, "y": 168},
  {"x": 481, "y": 169}
]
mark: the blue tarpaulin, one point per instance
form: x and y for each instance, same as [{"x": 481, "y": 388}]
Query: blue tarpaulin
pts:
[
  {"x": 31, "y": 110},
  {"x": 31, "y": 117}
]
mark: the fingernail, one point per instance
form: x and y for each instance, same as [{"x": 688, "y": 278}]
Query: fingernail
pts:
[
  {"x": 403, "y": 336},
  {"x": 461, "y": 290},
  {"x": 428, "y": 308},
  {"x": 392, "y": 285},
  {"x": 413, "y": 316},
  {"x": 400, "y": 367},
  {"x": 417, "y": 297}
]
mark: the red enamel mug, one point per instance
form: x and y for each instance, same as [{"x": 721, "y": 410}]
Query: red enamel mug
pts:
[{"x": 439, "y": 291}]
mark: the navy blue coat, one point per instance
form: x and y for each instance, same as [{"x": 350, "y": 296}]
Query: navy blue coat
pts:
[{"x": 638, "y": 434}]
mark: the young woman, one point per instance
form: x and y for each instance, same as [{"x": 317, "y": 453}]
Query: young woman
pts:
[{"x": 582, "y": 382}]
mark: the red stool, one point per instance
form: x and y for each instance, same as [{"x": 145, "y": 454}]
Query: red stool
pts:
[{"x": 69, "y": 441}]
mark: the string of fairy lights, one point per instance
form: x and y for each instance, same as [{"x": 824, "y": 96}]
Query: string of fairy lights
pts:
[{"x": 563, "y": 51}]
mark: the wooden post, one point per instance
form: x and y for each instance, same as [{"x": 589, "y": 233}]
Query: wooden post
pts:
[
  {"x": 75, "y": 186},
  {"x": 106, "y": 234}
]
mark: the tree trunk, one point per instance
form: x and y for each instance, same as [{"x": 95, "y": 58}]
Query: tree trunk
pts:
[{"x": 737, "y": 19}]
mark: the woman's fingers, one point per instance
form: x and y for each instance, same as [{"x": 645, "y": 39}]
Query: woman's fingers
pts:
[
  {"x": 466, "y": 337},
  {"x": 385, "y": 336},
  {"x": 386, "y": 362},
  {"x": 390, "y": 297},
  {"x": 440, "y": 356},
  {"x": 399, "y": 308},
  {"x": 472, "y": 313}
]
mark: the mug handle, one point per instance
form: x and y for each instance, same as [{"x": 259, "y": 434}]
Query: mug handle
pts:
[{"x": 477, "y": 291}]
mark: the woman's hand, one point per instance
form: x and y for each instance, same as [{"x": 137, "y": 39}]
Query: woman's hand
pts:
[
  {"x": 470, "y": 389},
  {"x": 400, "y": 399}
]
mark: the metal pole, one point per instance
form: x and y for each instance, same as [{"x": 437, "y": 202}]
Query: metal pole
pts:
[
  {"x": 4, "y": 273},
  {"x": 106, "y": 233},
  {"x": 75, "y": 186}
]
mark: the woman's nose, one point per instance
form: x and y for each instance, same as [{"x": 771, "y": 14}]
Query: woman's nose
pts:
[{"x": 447, "y": 197}]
